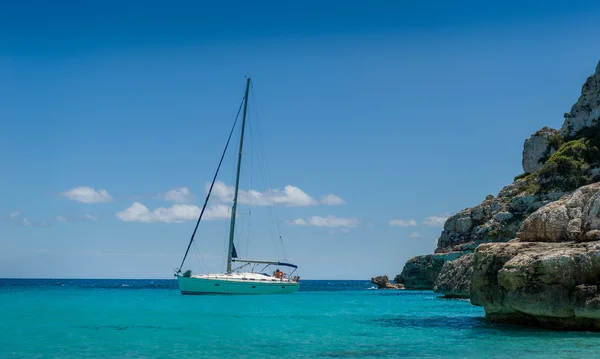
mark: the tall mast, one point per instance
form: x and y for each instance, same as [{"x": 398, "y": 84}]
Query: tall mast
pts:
[{"x": 237, "y": 180}]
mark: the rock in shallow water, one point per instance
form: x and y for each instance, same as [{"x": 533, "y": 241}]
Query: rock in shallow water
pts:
[
  {"x": 553, "y": 285},
  {"x": 454, "y": 280},
  {"x": 384, "y": 283},
  {"x": 549, "y": 275},
  {"x": 420, "y": 272}
]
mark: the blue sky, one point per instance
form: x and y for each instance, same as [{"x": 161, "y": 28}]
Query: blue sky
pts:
[{"x": 406, "y": 111}]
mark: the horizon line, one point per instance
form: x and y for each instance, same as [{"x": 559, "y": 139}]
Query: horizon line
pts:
[{"x": 1, "y": 278}]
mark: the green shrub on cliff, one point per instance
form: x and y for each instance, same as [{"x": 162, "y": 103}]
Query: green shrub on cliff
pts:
[
  {"x": 556, "y": 141},
  {"x": 591, "y": 134},
  {"x": 528, "y": 184},
  {"x": 522, "y": 176},
  {"x": 569, "y": 167}
]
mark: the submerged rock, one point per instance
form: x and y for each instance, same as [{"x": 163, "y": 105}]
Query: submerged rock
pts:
[
  {"x": 384, "y": 283},
  {"x": 454, "y": 280}
]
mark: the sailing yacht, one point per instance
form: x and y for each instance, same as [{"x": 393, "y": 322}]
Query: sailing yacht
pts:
[{"x": 243, "y": 279}]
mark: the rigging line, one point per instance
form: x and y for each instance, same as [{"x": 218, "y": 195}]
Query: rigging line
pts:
[
  {"x": 268, "y": 179},
  {"x": 264, "y": 174},
  {"x": 225, "y": 244},
  {"x": 212, "y": 184},
  {"x": 251, "y": 183},
  {"x": 229, "y": 201},
  {"x": 197, "y": 256}
]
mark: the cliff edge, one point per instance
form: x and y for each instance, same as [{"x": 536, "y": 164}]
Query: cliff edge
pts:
[{"x": 555, "y": 163}]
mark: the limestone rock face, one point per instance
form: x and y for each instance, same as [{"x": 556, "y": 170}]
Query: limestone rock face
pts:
[
  {"x": 537, "y": 147},
  {"x": 549, "y": 275},
  {"x": 383, "y": 282},
  {"x": 575, "y": 217},
  {"x": 554, "y": 285},
  {"x": 497, "y": 219},
  {"x": 420, "y": 272},
  {"x": 587, "y": 108},
  {"x": 454, "y": 280}
]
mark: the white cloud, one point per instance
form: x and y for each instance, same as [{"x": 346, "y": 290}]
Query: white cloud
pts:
[
  {"x": 178, "y": 194},
  {"x": 177, "y": 213},
  {"x": 87, "y": 217},
  {"x": 87, "y": 195},
  {"x": 290, "y": 196},
  {"x": 14, "y": 214},
  {"x": 218, "y": 211},
  {"x": 298, "y": 222},
  {"x": 403, "y": 223},
  {"x": 332, "y": 200},
  {"x": 329, "y": 221},
  {"x": 415, "y": 235},
  {"x": 436, "y": 221},
  {"x": 25, "y": 222}
]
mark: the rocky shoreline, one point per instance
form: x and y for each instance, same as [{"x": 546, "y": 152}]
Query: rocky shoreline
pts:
[
  {"x": 549, "y": 274},
  {"x": 531, "y": 254}
]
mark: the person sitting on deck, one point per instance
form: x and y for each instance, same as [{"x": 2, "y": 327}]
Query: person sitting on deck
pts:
[{"x": 278, "y": 274}]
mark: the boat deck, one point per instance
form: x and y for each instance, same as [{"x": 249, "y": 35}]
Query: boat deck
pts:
[{"x": 243, "y": 277}]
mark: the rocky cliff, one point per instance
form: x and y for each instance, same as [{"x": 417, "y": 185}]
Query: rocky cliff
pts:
[
  {"x": 550, "y": 274},
  {"x": 420, "y": 272},
  {"x": 555, "y": 163},
  {"x": 537, "y": 147},
  {"x": 586, "y": 110},
  {"x": 454, "y": 280},
  {"x": 497, "y": 219}
]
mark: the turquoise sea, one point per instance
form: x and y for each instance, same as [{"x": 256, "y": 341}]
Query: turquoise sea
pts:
[{"x": 63, "y": 318}]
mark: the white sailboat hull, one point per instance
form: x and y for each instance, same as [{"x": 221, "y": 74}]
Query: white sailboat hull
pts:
[{"x": 236, "y": 283}]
